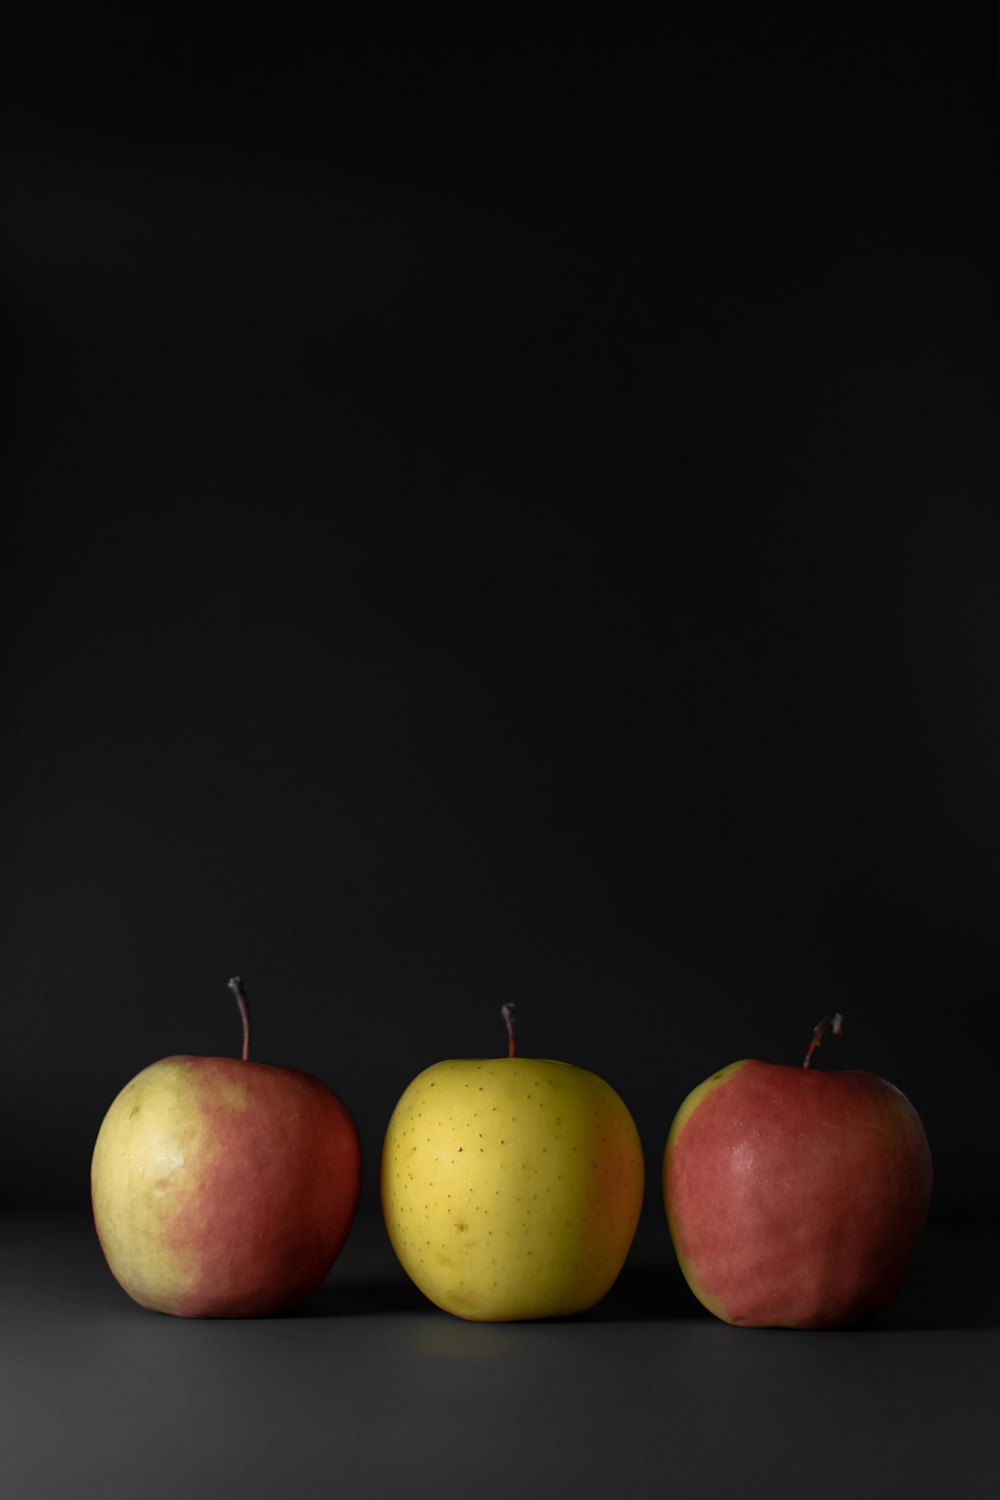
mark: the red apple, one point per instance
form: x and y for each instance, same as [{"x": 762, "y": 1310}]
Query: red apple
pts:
[
  {"x": 223, "y": 1187},
  {"x": 796, "y": 1198}
]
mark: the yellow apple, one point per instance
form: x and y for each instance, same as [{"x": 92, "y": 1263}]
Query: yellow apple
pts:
[{"x": 511, "y": 1186}]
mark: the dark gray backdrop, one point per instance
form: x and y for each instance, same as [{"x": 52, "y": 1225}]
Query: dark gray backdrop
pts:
[{"x": 500, "y": 519}]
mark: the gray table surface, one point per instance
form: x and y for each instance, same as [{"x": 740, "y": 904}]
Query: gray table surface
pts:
[{"x": 368, "y": 1390}]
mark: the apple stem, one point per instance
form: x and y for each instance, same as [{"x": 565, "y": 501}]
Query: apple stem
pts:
[
  {"x": 237, "y": 987},
  {"x": 509, "y": 1013},
  {"x": 832, "y": 1024}
]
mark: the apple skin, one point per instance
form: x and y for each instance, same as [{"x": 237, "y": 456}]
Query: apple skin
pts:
[
  {"x": 224, "y": 1188},
  {"x": 511, "y": 1187},
  {"x": 795, "y": 1197}
]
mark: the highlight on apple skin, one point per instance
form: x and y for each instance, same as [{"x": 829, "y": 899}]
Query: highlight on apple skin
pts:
[
  {"x": 511, "y": 1186},
  {"x": 796, "y": 1198},
  {"x": 223, "y": 1187}
]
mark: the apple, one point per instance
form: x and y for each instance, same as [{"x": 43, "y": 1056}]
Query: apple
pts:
[
  {"x": 795, "y": 1198},
  {"x": 511, "y": 1186},
  {"x": 223, "y": 1187}
]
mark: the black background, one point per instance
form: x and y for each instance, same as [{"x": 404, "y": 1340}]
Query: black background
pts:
[
  {"x": 501, "y": 517},
  {"x": 498, "y": 514}
]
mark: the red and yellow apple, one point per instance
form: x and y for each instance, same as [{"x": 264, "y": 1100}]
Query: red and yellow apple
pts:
[
  {"x": 795, "y": 1197},
  {"x": 223, "y": 1187},
  {"x": 511, "y": 1186}
]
